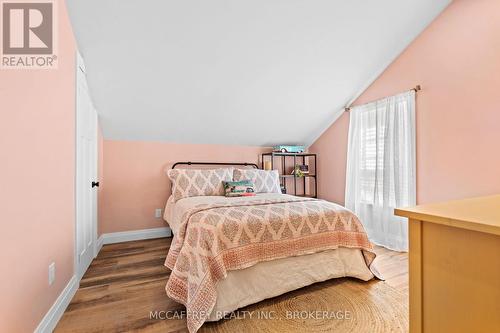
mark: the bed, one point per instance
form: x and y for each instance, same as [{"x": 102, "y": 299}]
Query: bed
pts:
[{"x": 228, "y": 253}]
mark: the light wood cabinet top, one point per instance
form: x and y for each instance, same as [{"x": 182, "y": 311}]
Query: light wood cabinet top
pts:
[{"x": 478, "y": 214}]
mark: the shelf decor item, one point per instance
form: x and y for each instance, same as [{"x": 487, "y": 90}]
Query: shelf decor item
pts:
[
  {"x": 301, "y": 175},
  {"x": 289, "y": 149},
  {"x": 300, "y": 170},
  {"x": 304, "y": 168}
]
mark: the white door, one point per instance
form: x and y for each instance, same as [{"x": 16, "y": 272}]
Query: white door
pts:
[{"x": 86, "y": 173}]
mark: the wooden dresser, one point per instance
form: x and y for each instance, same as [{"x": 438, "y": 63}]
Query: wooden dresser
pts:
[{"x": 455, "y": 266}]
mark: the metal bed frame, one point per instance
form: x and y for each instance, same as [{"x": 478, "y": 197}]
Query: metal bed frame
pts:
[{"x": 215, "y": 163}]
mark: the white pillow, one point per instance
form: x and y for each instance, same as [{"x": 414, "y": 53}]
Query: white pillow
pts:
[
  {"x": 198, "y": 182},
  {"x": 265, "y": 181}
]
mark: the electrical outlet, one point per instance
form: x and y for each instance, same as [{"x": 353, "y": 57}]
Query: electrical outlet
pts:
[
  {"x": 52, "y": 273},
  {"x": 158, "y": 213}
]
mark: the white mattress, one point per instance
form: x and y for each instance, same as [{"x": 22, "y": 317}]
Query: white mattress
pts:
[{"x": 271, "y": 278}]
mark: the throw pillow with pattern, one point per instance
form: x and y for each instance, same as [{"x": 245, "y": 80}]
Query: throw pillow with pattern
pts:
[
  {"x": 242, "y": 188},
  {"x": 265, "y": 181},
  {"x": 198, "y": 182}
]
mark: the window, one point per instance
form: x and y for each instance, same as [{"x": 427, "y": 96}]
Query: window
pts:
[{"x": 381, "y": 163}]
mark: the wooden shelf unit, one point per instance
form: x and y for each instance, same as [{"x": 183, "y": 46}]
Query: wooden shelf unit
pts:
[{"x": 299, "y": 158}]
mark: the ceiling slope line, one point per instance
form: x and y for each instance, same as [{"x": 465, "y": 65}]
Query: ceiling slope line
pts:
[{"x": 367, "y": 85}]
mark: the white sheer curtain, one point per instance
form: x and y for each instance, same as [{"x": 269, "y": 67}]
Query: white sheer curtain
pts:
[{"x": 381, "y": 167}]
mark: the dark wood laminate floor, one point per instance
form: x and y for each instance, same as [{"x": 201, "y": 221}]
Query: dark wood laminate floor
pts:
[{"x": 126, "y": 281}]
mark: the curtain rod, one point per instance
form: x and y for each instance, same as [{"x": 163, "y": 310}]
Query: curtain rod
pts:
[{"x": 417, "y": 88}]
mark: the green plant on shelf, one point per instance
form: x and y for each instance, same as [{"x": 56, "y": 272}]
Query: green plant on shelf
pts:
[{"x": 297, "y": 172}]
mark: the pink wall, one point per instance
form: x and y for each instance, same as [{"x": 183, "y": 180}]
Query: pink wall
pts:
[
  {"x": 100, "y": 176},
  {"x": 331, "y": 148},
  {"x": 135, "y": 182},
  {"x": 37, "y": 150},
  {"x": 457, "y": 62}
]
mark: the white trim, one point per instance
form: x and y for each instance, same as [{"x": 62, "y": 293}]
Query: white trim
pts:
[
  {"x": 80, "y": 63},
  {"x": 75, "y": 179},
  {"x": 98, "y": 245},
  {"x": 55, "y": 313},
  {"x": 127, "y": 236},
  {"x": 86, "y": 201}
]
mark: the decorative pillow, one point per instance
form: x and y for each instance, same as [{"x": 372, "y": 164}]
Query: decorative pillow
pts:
[
  {"x": 198, "y": 182},
  {"x": 265, "y": 181},
  {"x": 242, "y": 188}
]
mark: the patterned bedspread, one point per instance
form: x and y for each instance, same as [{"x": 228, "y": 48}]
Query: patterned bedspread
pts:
[{"x": 218, "y": 237}]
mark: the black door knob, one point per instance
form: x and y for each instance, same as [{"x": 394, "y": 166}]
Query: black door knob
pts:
[{"x": 95, "y": 184}]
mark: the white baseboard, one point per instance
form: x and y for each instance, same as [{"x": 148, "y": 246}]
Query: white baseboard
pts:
[
  {"x": 98, "y": 245},
  {"x": 127, "y": 236},
  {"x": 55, "y": 313}
]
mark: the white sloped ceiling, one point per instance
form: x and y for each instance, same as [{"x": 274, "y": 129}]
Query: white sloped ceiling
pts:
[{"x": 247, "y": 72}]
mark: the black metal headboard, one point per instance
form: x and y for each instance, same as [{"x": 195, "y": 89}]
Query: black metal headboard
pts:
[{"x": 214, "y": 163}]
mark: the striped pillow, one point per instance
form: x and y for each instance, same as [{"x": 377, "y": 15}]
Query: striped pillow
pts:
[{"x": 198, "y": 182}]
